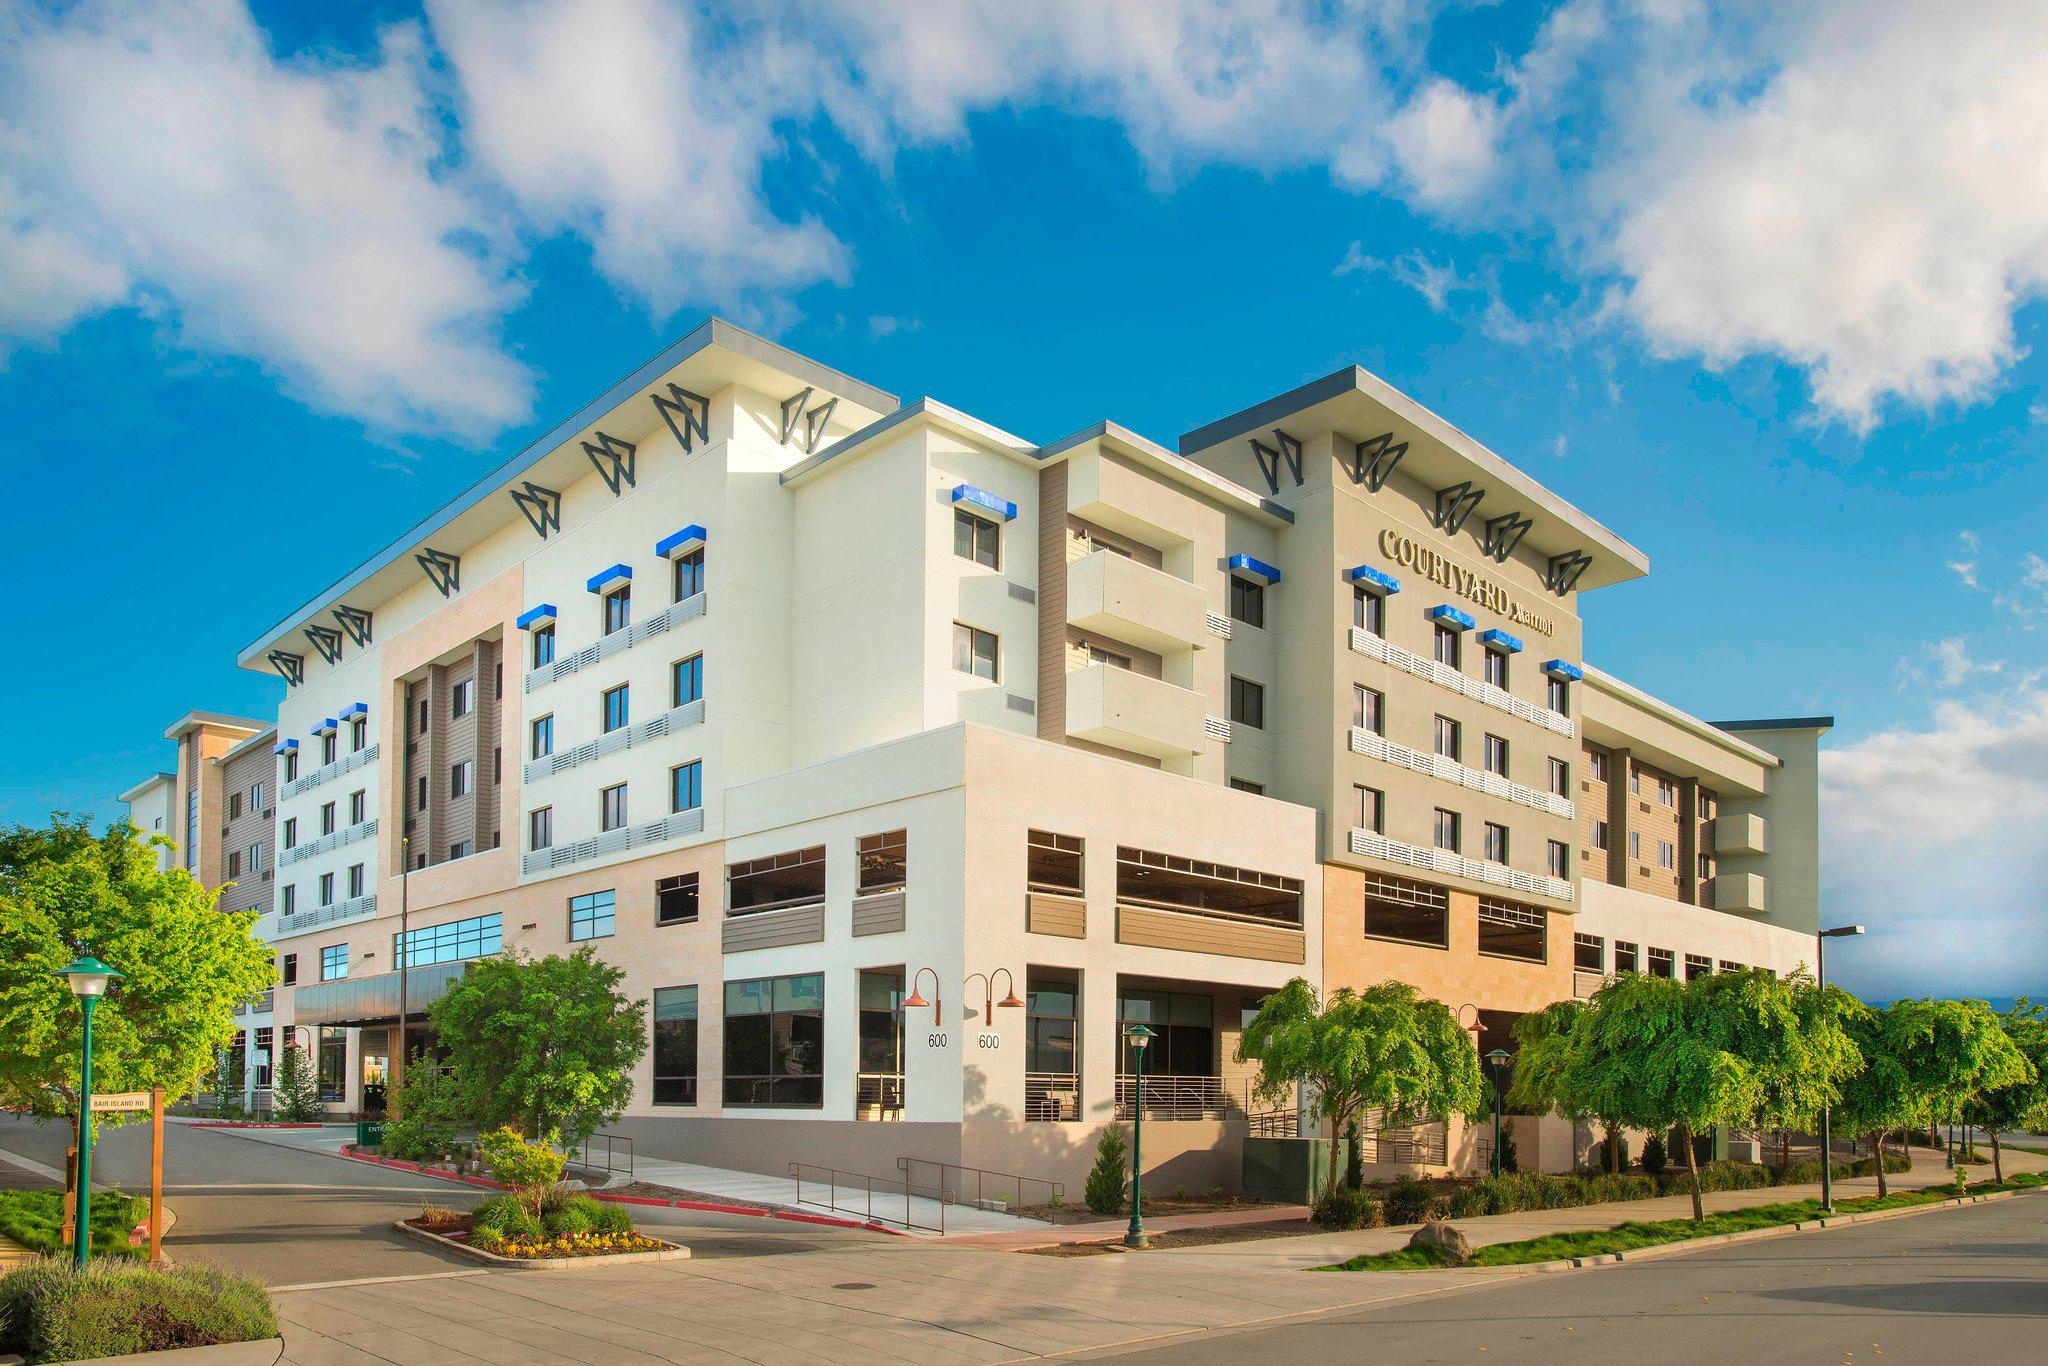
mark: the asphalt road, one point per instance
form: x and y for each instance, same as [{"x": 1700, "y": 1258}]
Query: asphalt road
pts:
[
  {"x": 291, "y": 1217},
  {"x": 1966, "y": 1284}
]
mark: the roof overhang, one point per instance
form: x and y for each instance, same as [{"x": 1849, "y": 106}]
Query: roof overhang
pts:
[
  {"x": 213, "y": 720},
  {"x": 923, "y": 412},
  {"x": 1122, "y": 441},
  {"x": 154, "y": 780},
  {"x": 1358, "y": 405},
  {"x": 714, "y": 356},
  {"x": 1659, "y": 732}
]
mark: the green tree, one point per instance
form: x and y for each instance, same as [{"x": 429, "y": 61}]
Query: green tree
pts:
[
  {"x": 1545, "y": 1079},
  {"x": 1110, "y": 1177},
  {"x": 185, "y": 966},
  {"x": 297, "y": 1097},
  {"x": 2022, "y": 1104},
  {"x": 1923, "y": 1062},
  {"x": 1387, "y": 1048},
  {"x": 548, "y": 1044}
]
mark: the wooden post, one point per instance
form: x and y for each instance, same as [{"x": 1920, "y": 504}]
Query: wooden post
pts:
[
  {"x": 70, "y": 1190},
  {"x": 156, "y": 1176}
]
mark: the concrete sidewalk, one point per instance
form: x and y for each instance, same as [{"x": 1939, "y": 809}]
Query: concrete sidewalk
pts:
[{"x": 889, "y": 1203}]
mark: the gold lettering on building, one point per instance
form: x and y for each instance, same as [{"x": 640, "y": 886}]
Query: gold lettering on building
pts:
[{"x": 1406, "y": 552}]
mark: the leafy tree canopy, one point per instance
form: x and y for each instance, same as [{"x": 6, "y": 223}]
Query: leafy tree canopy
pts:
[
  {"x": 548, "y": 1044},
  {"x": 2022, "y": 1104},
  {"x": 185, "y": 965}
]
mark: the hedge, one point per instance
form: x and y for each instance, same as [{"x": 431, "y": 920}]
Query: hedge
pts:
[
  {"x": 49, "y": 1311},
  {"x": 1415, "y": 1201}
]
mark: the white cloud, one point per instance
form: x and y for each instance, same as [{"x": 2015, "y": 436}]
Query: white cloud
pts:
[
  {"x": 1964, "y": 566},
  {"x": 1444, "y": 140},
  {"x": 159, "y": 156},
  {"x": 1945, "y": 664},
  {"x": 1938, "y": 840}
]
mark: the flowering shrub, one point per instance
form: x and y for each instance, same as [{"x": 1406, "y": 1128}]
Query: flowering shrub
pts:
[{"x": 524, "y": 1247}]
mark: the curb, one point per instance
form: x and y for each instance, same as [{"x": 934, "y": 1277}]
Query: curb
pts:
[
  {"x": 668, "y": 1252},
  {"x": 701, "y": 1206}
]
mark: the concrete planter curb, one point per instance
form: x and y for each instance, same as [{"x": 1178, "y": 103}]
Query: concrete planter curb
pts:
[
  {"x": 261, "y": 1352},
  {"x": 669, "y": 1252}
]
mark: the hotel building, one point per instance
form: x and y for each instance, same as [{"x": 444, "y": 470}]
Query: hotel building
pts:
[{"x": 805, "y": 706}]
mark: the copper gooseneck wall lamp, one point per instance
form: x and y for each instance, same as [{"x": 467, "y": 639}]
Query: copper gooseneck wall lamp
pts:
[
  {"x": 916, "y": 1002},
  {"x": 988, "y": 998}
]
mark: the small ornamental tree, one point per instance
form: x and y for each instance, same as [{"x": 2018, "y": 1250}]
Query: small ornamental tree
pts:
[
  {"x": 185, "y": 967},
  {"x": 548, "y": 1044},
  {"x": 2023, "y": 1104},
  {"x": 529, "y": 1170},
  {"x": 1110, "y": 1177},
  {"x": 1924, "y": 1061},
  {"x": 297, "y": 1097},
  {"x": 1545, "y": 1079},
  {"x": 1387, "y": 1048}
]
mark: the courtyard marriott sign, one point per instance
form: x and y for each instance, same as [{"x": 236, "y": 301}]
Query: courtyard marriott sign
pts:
[{"x": 1438, "y": 569}]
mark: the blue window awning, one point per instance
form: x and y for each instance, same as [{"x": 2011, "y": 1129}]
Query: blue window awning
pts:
[
  {"x": 1254, "y": 569},
  {"x": 535, "y": 617},
  {"x": 679, "y": 543},
  {"x": 1497, "y": 639},
  {"x": 1563, "y": 669},
  {"x": 983, "y": 503},
  {"x": 355, "y": 709},
  {"x": 284, "y": 746},
  {"x": 327, "y": 727},
  {"x": 1365, "y": 576},
  {"x": 1446, "y": 615},
  {"x": 605, "y": 580}
]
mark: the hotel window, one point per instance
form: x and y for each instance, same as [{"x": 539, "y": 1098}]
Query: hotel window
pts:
[
  {"x": 686, "y": 680},
  {"x": 461, "y": 775},
  {"x": 1447, "y": 831},
  {"x": 1635, "y": 781},
  {"x": 331, "y": 1045},
  {"x": 1596, "y": 765},
  {"x": 675, "y": 1045},
  {"x": 358, "y": 735},
  {"x": 1662, "y": 963},
  {"x": 291, "y": 764},
  {"x": 328, "y": 753},
  {"x": 775, "y": 1042},
  {"x": 1727, "y": 966},
  {"x": 421, "y": 804},
  {"x": 776, "y": 883},
  {"x": 456, "y": 941},
  {"x": 676, "y": 900},
  {"x": 879, "y": 1084},
  {"x": 1497, "y": 668},
  {"x": 421, "y": 728},
  {"x": 689, "y": 574},
  {"x": 1706, "y": 805},
  {"x": 1496, "y": 843},
  {"x": 1560, "y": 778},
  {"x": 1635, "y": 845},
  {"x": 1667, "y": 854},
  {"x": 1368, "y": 612},
  {"x": 1589, "y": 953},
  {"x": 288, "y": 899},
  {"x": 1247, "y": 601},
  {"x": 618, "y": 709},
  {"x": 882, "y": 863},
  {"x": 1706, "y": 869},
  {"x": 1510, "y": 930},
  {"x": 540, "y": 828},
  {"x": 1372, "y": 808},
  {"x": 290, "y": 975},
  {"x": 1598, "y": 839},
  {"x": 612, "y": 807},
  {"x": 686, "y": 786},
  {"x": 1447, "y": 737},
  {"x": 618, "y": 609},
  {"x": 255, "y": 858},
  {"x": 327, "y": 818},
  {"x": 333, "y": 962},
  {"x": 542, "y": 736},
  {"x": 1247, "y": 785},
  {"x": 460, "y": 849},
  {"x": 358, "y": 806},
  {"x": 1667, "y": 792},
  {"x": 1697, "y": 966},
  {"x": 262, "y": 1069},
  {"x": 976, "y": 539},
  {"x": 1413, "y": 912},
  {"x": 590, "y": 916},
  {"x": 1051, "y": 1031},
  {"x": 256, "y": 797},
  {"x": 1248, "y": 703},
  {"x": 291, "y": 832},
  {"x": 974, "y": 651},
  {"x": 1496, "y": 751},
  {"x": 1624, "y": 956},
  {"x": 1368, "y": 709},
  {"x": 1184, "y": 1023},
  {"x": 234, "y": 863},
  {"x": 1559, "y": 859},
  {"x": 1099, "y": 655},
  {"x": 1052, "y": 863},
  {"x": 1196, "y": 887},
  {"x": 355, "y": 880},
  {"x": 462, "y": 698},
  {"x": 1447, "y": 643},
  {"x": 234, "y": 806},
  {"x": 1559, "y": 695},
  {"x": 543, "y": 645}
]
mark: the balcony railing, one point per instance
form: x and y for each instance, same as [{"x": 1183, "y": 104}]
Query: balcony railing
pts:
[
  {"x": 1375, "y": 746},
  {"x": 1168, "y": 1096},
  {"x": 878, "y": 1095},
  {"x": 334, "y": 839},
  {"x": 614, "y": 841},
  {"x": 1372, "y": 646},
  {"x": 355, "y": 908},
  {"x": 611, "y": 742},
  {"x": 1052, "y": 1097},
  {"x": 348, "y": 763},
  {"x": 669, "y": 617},
  {"x": 1374, "y": 845}
]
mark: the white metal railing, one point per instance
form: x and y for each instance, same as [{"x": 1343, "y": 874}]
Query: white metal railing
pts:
[
  {"x": 1218, "y": 624},
  {"x": 1373, "y": 845},
  {"x": 1052, "y": 1097},
  {"x": 355, "y": 908},
  {"x": 1451, "y": 771},
  {"x": 611, "y": 742},
  {"x": 333, "y": 840},
  {"x": 348, "y": 763},
  {"x": 1216, "y": 728},
  {"x": 1180, "y": 1097},
  {"x": 675, "y": 614},
  {"x": 878, "y": 1095},
  {"x": 1366, "y": 643},
  {"x": 615, "y": 841}
]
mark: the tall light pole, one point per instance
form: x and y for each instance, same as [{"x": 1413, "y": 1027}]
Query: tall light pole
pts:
[
  {"x": 1134, "y": 1236},
  {"x": 1497, "y": 1059},
  {"x": 395, "y": 1070},
  {"x": 88, "y": 977},
  {"x": 1827, "y": 1152}
]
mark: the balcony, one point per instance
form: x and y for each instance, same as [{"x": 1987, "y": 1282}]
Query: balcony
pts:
[
  {"x": 1739, "y": 892},
  {"x": 1052, "y": 1097},
  {"x": 1743, "y": 834},
  {"x": 341, "y": 912},
  {"x": 1124, "y": 710},
  {"x": 1230, "y": 936},
  {"x": 1115, "y": 596},
  {"x": 1371, "y": 844}
]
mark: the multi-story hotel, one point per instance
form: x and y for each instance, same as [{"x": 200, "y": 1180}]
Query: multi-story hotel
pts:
[{"x": 900, "y": 762}]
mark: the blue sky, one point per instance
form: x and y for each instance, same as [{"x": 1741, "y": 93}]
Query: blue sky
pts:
[{"x": 1750, "y": 287}]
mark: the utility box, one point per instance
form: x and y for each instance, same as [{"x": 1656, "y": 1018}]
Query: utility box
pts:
[
  {"x": 369, "y": 1133},
  {"x": 1290, "y": 1171}
]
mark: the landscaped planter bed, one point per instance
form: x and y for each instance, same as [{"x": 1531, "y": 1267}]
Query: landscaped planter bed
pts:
[{"x": 544, "y": 1254}]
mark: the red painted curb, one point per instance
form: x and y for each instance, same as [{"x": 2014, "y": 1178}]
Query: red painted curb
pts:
[
  {"x": 245, "y": 1124},
  {"x": 703, "y": 1206}
]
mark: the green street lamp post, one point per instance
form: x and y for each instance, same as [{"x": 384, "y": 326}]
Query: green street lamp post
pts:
[
  {"x": 88, "y": 977},
  {"x": 1497, "y": 1059},
  {"x": 1827, "y": 1150},
  {"x": 1134, "y": 1236}
]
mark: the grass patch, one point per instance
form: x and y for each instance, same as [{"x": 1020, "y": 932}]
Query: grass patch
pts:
[
  {"x": 35, "y": 1219},
  {"x": 49, "y": 1312},
  {"x": 1636, "y": 1235}
]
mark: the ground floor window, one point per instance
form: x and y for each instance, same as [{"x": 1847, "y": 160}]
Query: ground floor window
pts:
[
  {"x": 879, "y": 1087},
  {"x": 1509, "y": 930},
  {"x": 1589, "y": 953},
  {"x": 675, "y": 1046},
  {"x": 775, "y": 1041},
  {"x": 333, "y": 1063},
  {"x": 1697, "y": 965},
  {"x": 1185, "y": 1026},
  {"x": 1661, "y": 963},
  {"x": 263, "y": 1059},
  {"x": 1052, "y": 1033},
  {"x": 1415, "y": 912}
]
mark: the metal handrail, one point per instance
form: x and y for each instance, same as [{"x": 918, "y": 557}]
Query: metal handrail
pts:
[
  {"x": 612, "y": 1143},
  {"x": 1052, "y": 1096},
  {"x": 878, "y": 1095},
  {"x": 1169, "y": 1096},
  {"x": 866, "y": 1187},
  {"x": 952, "y": 1183}
]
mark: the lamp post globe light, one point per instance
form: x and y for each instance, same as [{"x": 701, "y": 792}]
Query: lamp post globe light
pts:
[
  {"x": 1496, "y": 1060},
  {"x": 1827, "y": 1150},
  {"x": 1134, "y": 1236},
  {"x": 89, "y": 979}
]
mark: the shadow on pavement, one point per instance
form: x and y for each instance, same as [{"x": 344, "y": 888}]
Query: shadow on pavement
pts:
[{"x": 2014, "y": 1298}]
